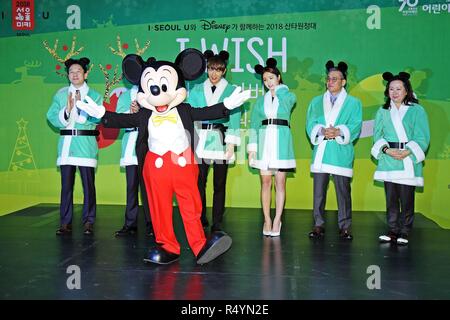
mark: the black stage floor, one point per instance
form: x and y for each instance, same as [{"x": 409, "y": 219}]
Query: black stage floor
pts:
[{"x": 34, "y": 261}]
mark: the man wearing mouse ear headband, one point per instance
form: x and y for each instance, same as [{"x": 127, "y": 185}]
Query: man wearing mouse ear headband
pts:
[
  {"x": 333, "y": 123},
  {"x": 217, "y": 138},
  {"x": 77, "y": 145},
  {"x": 401, "y": 138}
]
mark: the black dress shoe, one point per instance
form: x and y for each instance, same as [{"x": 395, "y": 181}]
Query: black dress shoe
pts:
[
  {"x": 216, "y": 244},
  {"x": 88, "y": 228},
  {"x": 125, "y": 231},
  {"x": 317, "y": 233},
  {"x": 64, "y": 229},
  {"x": 345, "y": 235},
  {"x": 159, "y": 255}
]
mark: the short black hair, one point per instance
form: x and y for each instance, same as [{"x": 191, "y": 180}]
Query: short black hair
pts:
[{"x": 83, "y": 62}]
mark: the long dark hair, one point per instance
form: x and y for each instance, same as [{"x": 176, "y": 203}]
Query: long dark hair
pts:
[
  {"x": 404, "y": 78},
  {"x": 271, "y": 66}
]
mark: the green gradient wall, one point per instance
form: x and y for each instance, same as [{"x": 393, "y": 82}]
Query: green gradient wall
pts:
[{"x": 371, "y": 36}]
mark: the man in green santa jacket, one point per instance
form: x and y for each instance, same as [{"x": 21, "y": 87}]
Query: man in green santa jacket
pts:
[
  {"x": 333, "y": 123},
  {"x": 77, "y": 145},
  {"x": 217, "y": 138}
]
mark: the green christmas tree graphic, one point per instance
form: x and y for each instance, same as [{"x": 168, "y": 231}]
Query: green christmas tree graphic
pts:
[{"x": 22, "y": 157}]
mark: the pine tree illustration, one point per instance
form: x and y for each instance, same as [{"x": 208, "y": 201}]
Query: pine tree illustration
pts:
[{"x": 22, "y": 157}]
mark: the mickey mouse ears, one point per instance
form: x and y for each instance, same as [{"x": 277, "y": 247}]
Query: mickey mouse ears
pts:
[
  {"x": 388, "y": 76},
  {"x": 270, "y": 63},
  {"x": 191, "y": 63},
  {"x": 223, "y": 55},
  {"x": 341, "y": 66}
]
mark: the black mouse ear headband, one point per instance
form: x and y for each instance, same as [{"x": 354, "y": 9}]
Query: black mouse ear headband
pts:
[
  {"x": 341, "y": 66},
  {"x": 223, "y": 55},
  {"x": 83, "y": 62},
  {"x": 270, "y": 63},
  {"x": 388, "y": 76}
]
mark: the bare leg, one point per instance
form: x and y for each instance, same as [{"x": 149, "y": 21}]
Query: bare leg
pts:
[
  {"x": 266, "y": 195},
  {"x": 280, "y": 188}
]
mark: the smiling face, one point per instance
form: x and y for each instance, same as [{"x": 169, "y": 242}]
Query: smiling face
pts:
[
  {"x": 397, "y": 92},
  {"x": 271, "y": 80},
  {"x": 76, "y": 75},
  {"x": 215, "y": 74},
  {"x": 160, "y": 93}
]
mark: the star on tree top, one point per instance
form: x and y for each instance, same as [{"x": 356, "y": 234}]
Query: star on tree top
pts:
[{"x": 22, "y": 123}]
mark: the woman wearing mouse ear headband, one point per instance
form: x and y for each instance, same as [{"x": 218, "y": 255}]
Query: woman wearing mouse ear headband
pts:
[
  {"x": 270, "y": 147},
  {"x": 401, "y": 138}
]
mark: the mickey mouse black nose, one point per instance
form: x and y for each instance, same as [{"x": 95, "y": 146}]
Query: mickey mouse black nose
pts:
[{"x": 155, "y": 90}]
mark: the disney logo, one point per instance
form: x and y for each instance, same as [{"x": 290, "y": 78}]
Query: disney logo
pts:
[{"x": 213, "y": 25}]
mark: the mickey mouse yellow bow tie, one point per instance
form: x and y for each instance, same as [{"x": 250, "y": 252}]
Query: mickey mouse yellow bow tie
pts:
[{"x": 158, "y": 120}]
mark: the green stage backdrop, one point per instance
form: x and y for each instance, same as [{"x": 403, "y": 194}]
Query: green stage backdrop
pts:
[{"x": 371, "y": 36}]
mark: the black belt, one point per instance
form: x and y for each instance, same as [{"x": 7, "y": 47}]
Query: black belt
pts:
[
  {"x": 397, "y": 145},
  {"x": 131, "y": 129},
  {"x": 77, "y": 132},
  {"x": 216, "y": 126},
  {"x": 278, "y": 122}
]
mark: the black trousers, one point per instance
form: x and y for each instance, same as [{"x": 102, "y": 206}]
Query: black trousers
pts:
[
  {"x": 89, "y": 202},
  {"x": 220, "y": 181},
  {"x": 399, "y": 207},
  {"x": 132, "y": 207},
  {"x": 344, "y": 199}
]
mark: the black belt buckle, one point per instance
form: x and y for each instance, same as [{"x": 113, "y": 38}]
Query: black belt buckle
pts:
[
  {"x": 78, "y": 132},
  {"x": 398, "y": 145},
  {"x": 278, "y": 122}
]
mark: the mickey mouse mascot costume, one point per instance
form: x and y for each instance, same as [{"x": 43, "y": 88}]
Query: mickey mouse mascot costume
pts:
[{"x": 165, "y": 147}]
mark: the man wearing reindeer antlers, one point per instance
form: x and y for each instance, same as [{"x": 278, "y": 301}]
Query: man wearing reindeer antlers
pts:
[
  {"x": 77, "y": 146},
  {"x": 333, "y": 123}
]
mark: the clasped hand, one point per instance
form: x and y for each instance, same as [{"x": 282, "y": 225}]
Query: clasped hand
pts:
[
  {"x": 397, "y": 153},
  {"x": 331, "y": 132}
]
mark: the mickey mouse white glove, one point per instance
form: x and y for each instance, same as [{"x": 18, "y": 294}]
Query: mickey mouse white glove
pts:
[
  {"x": 236, "y": 99},
  {"x": 91, "y": 108}
]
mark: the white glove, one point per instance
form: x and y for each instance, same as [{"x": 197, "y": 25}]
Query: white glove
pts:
[
  {"x": 91, "y": 108},
  {"x": 236, "y": 99}
]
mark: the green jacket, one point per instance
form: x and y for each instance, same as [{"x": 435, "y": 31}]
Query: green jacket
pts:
[
  {"x": 128, "y": 156},
  {"x": 334, "y": 156},
  {"x": 210, "y": 145},
  {"x": 273, "y": 144},
  {"x": 409, "y": 124},
  {"x": 74, "y": 150}
]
